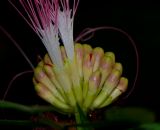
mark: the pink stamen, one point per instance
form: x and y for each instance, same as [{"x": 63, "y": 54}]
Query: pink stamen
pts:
[
  {"x": 56, "y": 14},
  {"x": 87, "y": 36},
  {"x": 30, "y": 24},
  {"x": 41, "y": 13},
  {"x": 13, "y": 79},
  {"x": 75, "y": 6},
  {"x": 33, "y": 17},
  {"x": 17, "y": 46}
]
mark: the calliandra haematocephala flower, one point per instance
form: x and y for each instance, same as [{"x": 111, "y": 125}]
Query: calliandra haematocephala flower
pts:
[{"x": 70, "y": 73}]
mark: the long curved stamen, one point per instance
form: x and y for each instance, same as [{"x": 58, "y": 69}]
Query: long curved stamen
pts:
[
  {"x": 17, "y": 46},
  {"x": 13, "y": 79}
]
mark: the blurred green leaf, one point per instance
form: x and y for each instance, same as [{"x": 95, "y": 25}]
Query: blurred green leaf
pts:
[
  {"x": 129, "y": 115},
  {"x": 31, "y": 124},
  {"x": 37, "y": 109},
  {"x": 150, "y": 126}
]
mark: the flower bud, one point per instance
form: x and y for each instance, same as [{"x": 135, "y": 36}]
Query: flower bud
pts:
[
  {"x": 122, "y": 86},
  {"x": 88, "y": 63},
  {"x": 51, "y": 75},
  {"x": 87, "y": 49},
  {"x": 110, "y": 54},
  {"x": 98, "y": 54},
  {"x": 47, "y": 95},
  {"x": 66, "y": 83},
  {"x": 79, "y": 58},
  {"x": 47, "y": 60},
  {"x": 76, "y": 82},
  {"x": 94, "y": 82},
  {"x": 118, "y": 66},
  {"x": 108, "y": 87},
  {"x": 42, "y": 78},
  {"x": 106, "y": 66}
]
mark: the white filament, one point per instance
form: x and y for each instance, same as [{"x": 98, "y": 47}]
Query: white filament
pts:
[
  {"x": 65, "y": 25},
  {"x": 51, "y": 41}
]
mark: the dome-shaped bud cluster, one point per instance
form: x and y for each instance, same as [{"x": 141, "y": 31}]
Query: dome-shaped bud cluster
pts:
[{"x": 92, "y": 79}]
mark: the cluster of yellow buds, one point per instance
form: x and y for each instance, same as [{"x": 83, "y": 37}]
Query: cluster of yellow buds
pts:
[{"x": 92, "y": 80}]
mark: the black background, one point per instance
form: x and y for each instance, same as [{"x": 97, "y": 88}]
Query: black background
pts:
[{"x": 140, "y": 20}]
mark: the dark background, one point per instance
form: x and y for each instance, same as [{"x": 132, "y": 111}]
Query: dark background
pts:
[{"x": 140, "y": 20}]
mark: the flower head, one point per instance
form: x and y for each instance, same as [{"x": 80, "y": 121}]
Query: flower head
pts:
[{"x": 70, "y": 74}]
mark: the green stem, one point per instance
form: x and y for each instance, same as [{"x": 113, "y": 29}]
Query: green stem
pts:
[
  {"x": 24, "y": 108},
  {"x": 81, "y": 119},
  {"x": 82, "y": 123},
  {"x": 78, "y": 121}
]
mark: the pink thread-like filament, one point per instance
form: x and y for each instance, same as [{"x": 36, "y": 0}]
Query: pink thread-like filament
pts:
[{"x": 13, "y": 79}]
